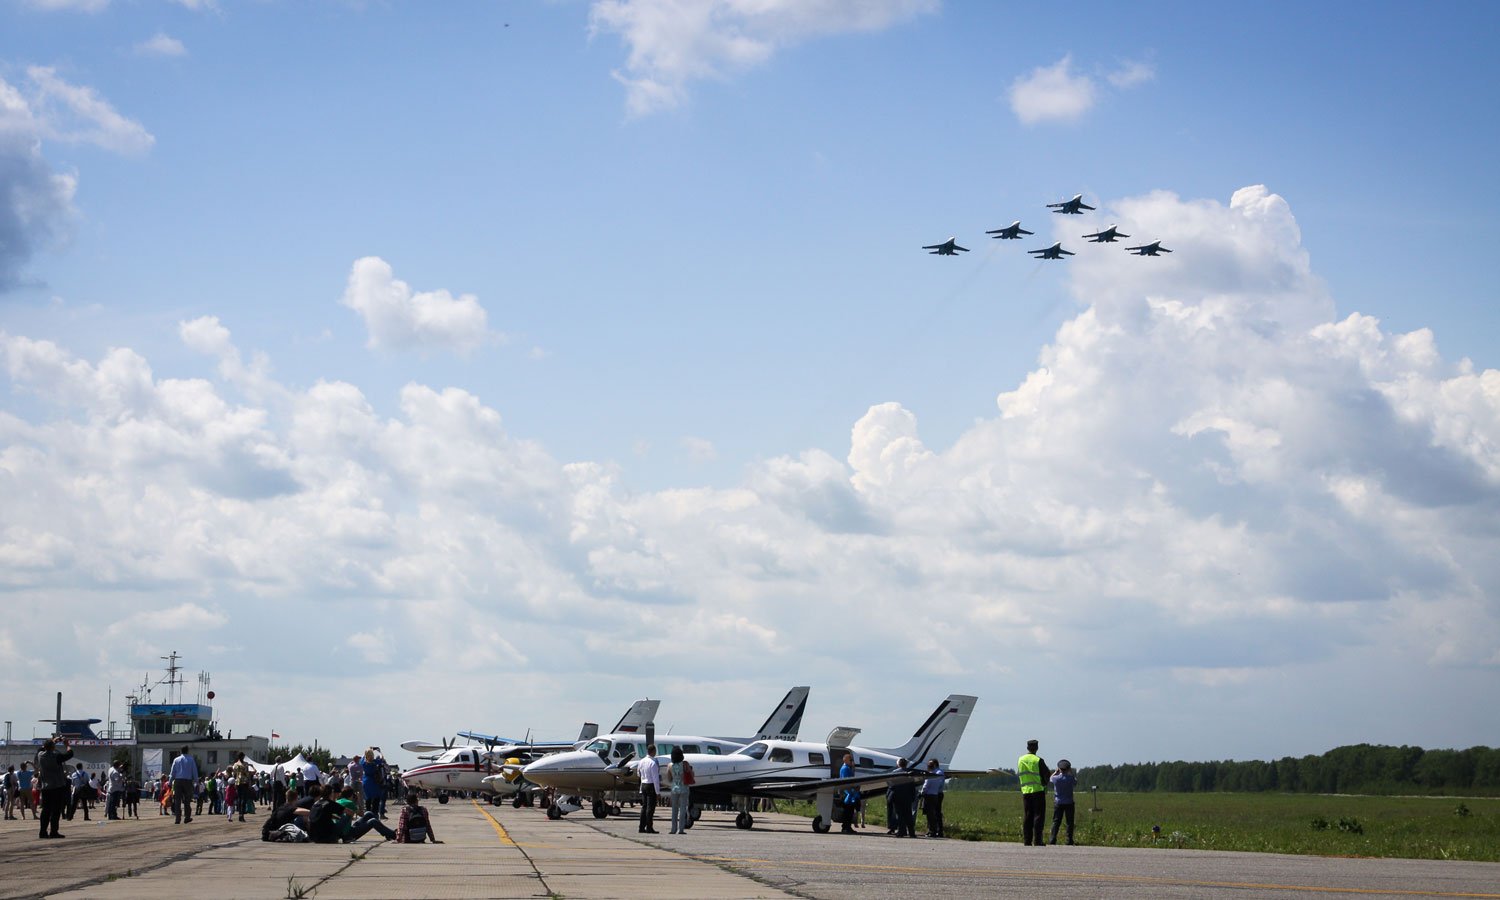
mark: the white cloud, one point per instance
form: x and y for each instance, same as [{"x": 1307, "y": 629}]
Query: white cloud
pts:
[
  {"x": 36, "y": 203},
  {"x": 1211, "y": 491},
  {"x": 160, "y": 44},
  {"x": 77, "y": 114},
  {"x": 1052, "y": 94},
  {"x": 699, "y": 449},
  {"x": 1057, "y": 93},
  {"x": 398, "y": 318},
  {"x": 675, "y": 42},
  {"x": 90, "y": 6}
]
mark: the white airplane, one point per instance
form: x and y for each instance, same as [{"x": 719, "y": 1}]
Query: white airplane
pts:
[
  {"x": 467, "y": 768},
  {"x": 802, "y": 770},
  {"x": 595, "y": 771},
  {"x": 1074, "y": 207}
]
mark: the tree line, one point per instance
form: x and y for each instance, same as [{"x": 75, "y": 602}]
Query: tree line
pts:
[{"x": 1354, "y": 769}]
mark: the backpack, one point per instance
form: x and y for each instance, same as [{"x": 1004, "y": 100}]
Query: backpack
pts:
[
  {"x": 416, "y": 828},
  {"x": 687, "y": 773}
]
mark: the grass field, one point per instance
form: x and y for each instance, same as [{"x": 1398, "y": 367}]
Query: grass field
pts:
[{"x": 1314, "y": 824}]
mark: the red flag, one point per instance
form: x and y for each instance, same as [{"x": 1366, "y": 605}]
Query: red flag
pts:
[{"x": 275, "y": 735}]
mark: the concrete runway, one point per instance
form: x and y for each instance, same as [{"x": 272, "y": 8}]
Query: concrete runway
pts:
[{"x": 499, "y": 852}]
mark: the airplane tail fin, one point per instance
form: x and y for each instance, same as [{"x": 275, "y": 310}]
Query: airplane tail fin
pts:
[
  {"x": 786, "y": 719},
  {"x": 635, "y": 719},
  {"x": 589, "y": 731},
  {"x": 939, "y": 735}
]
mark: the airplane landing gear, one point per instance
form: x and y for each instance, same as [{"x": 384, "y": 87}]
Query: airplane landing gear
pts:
[
  {"x": 442, "y": 796},
  {"x": 601, "y": 809},
  {"x": 744, "y": 821},
  {"x": 516, "y": 803},
  {"x": 820, "y": 826},
  {"x": 553, "y": 812}
]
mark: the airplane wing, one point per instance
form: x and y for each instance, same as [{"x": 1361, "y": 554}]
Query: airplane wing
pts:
[
  {"x": 421, "y": 747},
  {"x": 1066, "y": 252},
  {"x": 1082, "y": 205},
  {"x": 964, "y": 249},
  {"x": 933, "y": 247},
  {"x": 489, "y": 739},
  {"x": 804, "y": 790}
]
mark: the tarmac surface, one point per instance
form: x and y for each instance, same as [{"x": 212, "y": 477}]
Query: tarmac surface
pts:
[{"x": 500, "y": 852}]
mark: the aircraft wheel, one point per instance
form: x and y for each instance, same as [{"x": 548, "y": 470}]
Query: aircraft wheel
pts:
[
  {"x": 820, "y": 826},
  {"x": 516, "y": 803},
  {"x": 616, "y": 810},
  {"x": 442, "y": 798},
  {"x": 553, "y": 812},
  {"x": 695, "y": 812},
  {"x": 600, "y": 809},
  {"x": 744, "y": 821}
]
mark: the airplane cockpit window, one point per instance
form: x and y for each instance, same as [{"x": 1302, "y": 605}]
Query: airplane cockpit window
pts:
[
  {"x": 714, "y": 750},
  {"x": 781, "y": 755},
  {"x": 463, "y": 757},
  {"x": 597, "y": 746},
  {"x": 691, "y": 748},
  {"x": 816, "y": 759},
  {"x": 755, "y": 751},
  {"x": 866, "y": 762}
]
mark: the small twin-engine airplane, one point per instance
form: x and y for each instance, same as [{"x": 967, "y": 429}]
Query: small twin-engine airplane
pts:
[
  {"x": 1074, "y": 207},
  {"x": 1107, "y": 236},
  {"x": 1053, "y": 252},
  {"x": 1011, "y": 232},
  {"x": 946, "y": 248},
  {"x": 468, "y": 767},
  {"x": 600, "y": 767},
  {"x": 1151, "y": 249}
]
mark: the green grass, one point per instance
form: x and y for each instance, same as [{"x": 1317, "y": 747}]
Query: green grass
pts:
[{"x": 1409, "y": 827}]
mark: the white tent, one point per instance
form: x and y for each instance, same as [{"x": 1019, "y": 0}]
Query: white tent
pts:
[{"x": 291, "y": 766}]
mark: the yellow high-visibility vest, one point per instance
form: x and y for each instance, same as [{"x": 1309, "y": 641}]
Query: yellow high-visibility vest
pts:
[{"x": 1029, "y": 768}]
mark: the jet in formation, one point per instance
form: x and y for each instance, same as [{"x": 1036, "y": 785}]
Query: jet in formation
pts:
[
  {"x": 1152, "y": 249},
  {"x": 1011, "y": 232},
  {"x": 1053, "y": 252},
  {"x": 1074, "y": 207},
  {"x": 946, "y": 248},
  {"x": 1107, "y": 236}
]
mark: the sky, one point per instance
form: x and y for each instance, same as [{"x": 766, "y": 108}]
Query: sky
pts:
[{"x": 489, "y": 366}]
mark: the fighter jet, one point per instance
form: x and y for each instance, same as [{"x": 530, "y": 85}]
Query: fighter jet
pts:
[
  {"x": 1107, "y": 236},
  {"x": 1152, "y": 249},
  {"x": 1011, "y": 232},
  {"x": 1053, "y": 252},
  {"x": 1074, "y": 207},
  {"x": 946, "y": 248}
]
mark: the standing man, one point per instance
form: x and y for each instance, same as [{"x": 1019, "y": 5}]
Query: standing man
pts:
[
  {"x": 78, "y": 786},
  {"x": 52, "y": 777},
  {"x": 310, "y": 776},
  {"x": 114, "y": 791},
  {"x": 278, "y": 784},
  {"x": 851, "y": 796},
  {"x": 8, "y": 791},
  {"x": 184, "y": 779},
  {"x": 1063, "y": 781},
  {"x": 650, "y": 774},
  {"x": 932, "y": 798},
  {"x": 900, "y": 798},
  {"x": 241, "y": 774},
  {"x": 22, "y": 791},
  {"x": 1033, "y": 774}
]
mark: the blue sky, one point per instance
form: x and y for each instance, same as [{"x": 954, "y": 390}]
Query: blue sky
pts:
[{"x": 587, "y": 348}]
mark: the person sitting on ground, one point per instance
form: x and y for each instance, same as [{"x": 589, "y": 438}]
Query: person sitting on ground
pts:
[
  {"x": 323, "y": 815},
  {"x": 415, "y": 826},
  {"x": 355, "y": 825},
  {"x": 294, "y": 811}
]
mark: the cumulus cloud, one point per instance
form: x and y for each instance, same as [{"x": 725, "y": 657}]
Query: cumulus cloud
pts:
[
  {"x": 1211, "y": 489},
  {"x": 160, "y": 44},
  {"x": 398, "y": 318},
  {"x": 1057, "y": 93},
  {"x": 675, "y": 42},
  {"x": 36, "y": 202}
]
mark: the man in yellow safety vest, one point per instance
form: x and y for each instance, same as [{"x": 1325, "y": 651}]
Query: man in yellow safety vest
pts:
[{"x": 1033, "y": 772}]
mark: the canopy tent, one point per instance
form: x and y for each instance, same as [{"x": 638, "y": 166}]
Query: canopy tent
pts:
[{"x": 291, "y": 766}]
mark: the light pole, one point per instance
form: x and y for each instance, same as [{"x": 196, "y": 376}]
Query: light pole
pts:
[{"x": 1095, "y": 789}]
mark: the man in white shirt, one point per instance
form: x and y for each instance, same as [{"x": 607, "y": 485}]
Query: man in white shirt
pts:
[
  {"x": 310, "y": 775},
  {"x": 114, "y": 788},
  {"x": 650, "y": 774},
  {"x": 278, "y": 785}
]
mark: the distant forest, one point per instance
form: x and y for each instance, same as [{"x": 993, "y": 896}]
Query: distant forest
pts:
[{"x": 1356, "y": 769}]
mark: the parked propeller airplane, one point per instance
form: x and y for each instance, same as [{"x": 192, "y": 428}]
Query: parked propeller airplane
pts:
[
  {"x": 1151, "y": 249},
  {"x": 1053, "y": 252},
  {"x": 466, "y": 768},
  {"x": 1074, "y": 207},
  {"x": 1107, "y": 236},
  {"x": 946, "y": 248},
  {"x": 1011, "y": 232},
  {"x": 594, "y": 771}
]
